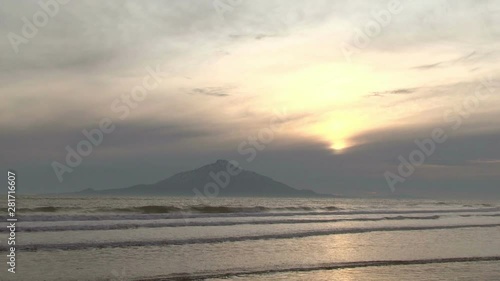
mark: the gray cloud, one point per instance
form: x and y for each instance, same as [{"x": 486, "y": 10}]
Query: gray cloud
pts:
[
  {"x": 469, "y": 59},
  {"x": 211, "y": 91},
  {"x": 392, "y": 92}
]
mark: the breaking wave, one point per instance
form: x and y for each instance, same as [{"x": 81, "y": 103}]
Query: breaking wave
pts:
[
  {"x": 158, "y": 209},
  {"x": 167, "y": 212},
  {"x": 190, "y": 241},
  {"x": 202, "y": 223},
  {"x": 48, "y": 209},
  {"x": 329, "y": 266}
]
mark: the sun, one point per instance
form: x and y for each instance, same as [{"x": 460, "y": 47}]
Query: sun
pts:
[
  {"x": 337, "y": 133},
  {"x": 339, "y": 146}
]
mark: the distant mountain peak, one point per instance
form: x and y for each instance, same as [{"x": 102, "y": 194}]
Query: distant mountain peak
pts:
[
  {"x": 218, "y": 165},
  {"x": 222, "y": 161}
]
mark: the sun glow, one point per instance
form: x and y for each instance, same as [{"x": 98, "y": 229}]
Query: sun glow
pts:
[
  {"x": 339, "y": 129},
  {"x": 339, "y": 145}
]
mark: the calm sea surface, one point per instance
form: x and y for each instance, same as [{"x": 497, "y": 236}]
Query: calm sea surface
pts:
[{"x": 84, "y": 238}]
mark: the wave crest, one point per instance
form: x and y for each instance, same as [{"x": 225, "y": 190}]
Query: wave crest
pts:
[{"x": 159, "y": 209}]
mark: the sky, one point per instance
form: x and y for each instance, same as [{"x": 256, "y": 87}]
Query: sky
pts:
[{"x": 370, "y": 98}]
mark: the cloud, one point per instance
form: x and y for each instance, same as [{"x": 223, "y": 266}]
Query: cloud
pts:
[
  {"x": 429, "y": 66},
  {"x": 91, "y": 53},
  {"x": 393, "y": 92},
  {"x": 256, "y": 36},
  {"x": 472, "y": 57},
  {"x": 211, "y": 91},
  {"x": 462, "y": 147}
]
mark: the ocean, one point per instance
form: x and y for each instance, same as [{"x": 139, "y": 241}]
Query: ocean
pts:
[{"x": 116, "y": 238}]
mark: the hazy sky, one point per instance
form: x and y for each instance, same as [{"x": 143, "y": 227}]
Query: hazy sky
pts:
[{"x": 352, "y": 85}]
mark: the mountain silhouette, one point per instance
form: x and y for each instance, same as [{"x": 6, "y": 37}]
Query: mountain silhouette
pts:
[{"x": 221, "y": 178}]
